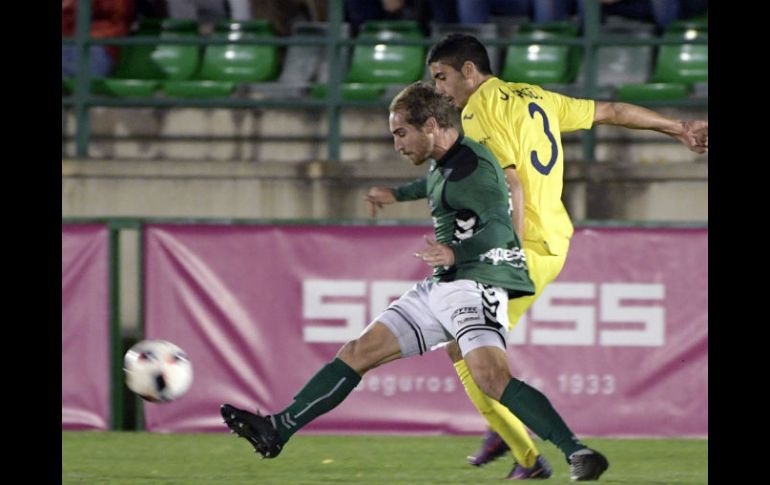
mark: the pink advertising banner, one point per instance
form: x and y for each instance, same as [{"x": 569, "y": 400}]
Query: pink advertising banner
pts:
[
  {"x": 619, "y": 342},
  {"x": 85, "y": 367}
]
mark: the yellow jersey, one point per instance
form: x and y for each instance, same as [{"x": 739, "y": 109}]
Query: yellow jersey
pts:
[{"x": 521, "y": 124}]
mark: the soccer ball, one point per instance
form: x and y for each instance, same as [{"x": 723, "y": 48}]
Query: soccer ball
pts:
[{"x": 157, "y": 370}]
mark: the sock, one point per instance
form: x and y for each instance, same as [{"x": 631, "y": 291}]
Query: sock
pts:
[
  {"x": 322, "y": 393},
  {"x": 500, "y": 419},
  {"x": 539, "y": 415}
]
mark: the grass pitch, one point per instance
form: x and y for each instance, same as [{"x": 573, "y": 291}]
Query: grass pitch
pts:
[{"x": 133, "y": 458}]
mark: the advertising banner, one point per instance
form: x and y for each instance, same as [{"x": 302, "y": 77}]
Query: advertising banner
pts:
[
  {"x": 619, "y": 342},
  {"x": 85, "y": 367}
]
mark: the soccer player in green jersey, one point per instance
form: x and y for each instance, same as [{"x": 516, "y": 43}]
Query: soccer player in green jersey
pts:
[
  {"x": 521, "y": 124},
  {"x": 478, "y": 265}
]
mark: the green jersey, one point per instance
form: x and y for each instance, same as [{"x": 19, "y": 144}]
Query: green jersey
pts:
[{"x": 469, "y": 200}]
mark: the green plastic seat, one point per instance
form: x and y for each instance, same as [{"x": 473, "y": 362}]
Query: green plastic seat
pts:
[
  {"x": 223, "y": 66},
  {"x": 136, "y": 60},
  {"x": 652, "y": 91},
  {"x": 176, "y": 61},
  {"x": 198, "y": 89},
  {"x": 685, "y": 63},
  {"x": 68, "y": 85},
  {"x": 677, "y": 69},
  {"x": 383, "y": 63},
  {"x": 142, "y": 88},
  {"x": 540, "y": 64},
  {"x": 234, "y": 62}
]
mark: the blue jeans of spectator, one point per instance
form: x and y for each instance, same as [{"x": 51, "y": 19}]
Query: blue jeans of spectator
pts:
[
  {"x": 661, "y": 12},
  {"x": 478, "y": 11},
  {"x": 101, "y": 62}
]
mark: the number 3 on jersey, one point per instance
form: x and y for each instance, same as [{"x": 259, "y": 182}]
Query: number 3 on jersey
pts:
[{"x": 544, "y": 169}]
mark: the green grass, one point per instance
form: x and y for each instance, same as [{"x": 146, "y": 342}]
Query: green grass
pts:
[{"x": 95, "y": 458}]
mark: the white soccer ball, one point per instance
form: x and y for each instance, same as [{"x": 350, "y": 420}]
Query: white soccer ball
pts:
[{"x": 157, "y": 370}]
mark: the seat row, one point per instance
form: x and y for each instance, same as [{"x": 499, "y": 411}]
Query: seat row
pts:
[{"x": 376, "y": 70}]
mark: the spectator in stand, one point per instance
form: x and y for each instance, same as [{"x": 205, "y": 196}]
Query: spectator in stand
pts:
[
  {"x": 479, "y": 11},
  {"x": 109, "y": 18},
  {"x": 423, "y": 11},
  {"x": 283, "y": 13},
  {"x": 659, "y": 12}
]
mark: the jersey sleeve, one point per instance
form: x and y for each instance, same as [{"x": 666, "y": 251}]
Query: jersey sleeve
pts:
[
  {"x": 574, "y": 113},
  {"x": 417, "y": 189}
]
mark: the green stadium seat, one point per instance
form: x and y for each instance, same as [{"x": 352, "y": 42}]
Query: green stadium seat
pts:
[
  {"x": 176, "y": 61},
  {"x": 383, "y": 63},
  {"x": 136, "y": 74},
  {"x": 237, "y": 62},
  {"x": 542, "y": 64},
  {"x": 685, "y": 63},
  {"x": 224, "y": 66},
  {"x": 678, "y": 67},
  {"x": 374, "y": 67}
]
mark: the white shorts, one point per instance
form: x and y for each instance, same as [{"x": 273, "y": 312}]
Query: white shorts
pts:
[{"x": 431, "y": 313}]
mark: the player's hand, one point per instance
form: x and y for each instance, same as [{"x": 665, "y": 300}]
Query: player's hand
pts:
[
  {"x": 377, "y": 197},
  {"x": 695, "y": 135},
  {"x": 436, "y": 254}
]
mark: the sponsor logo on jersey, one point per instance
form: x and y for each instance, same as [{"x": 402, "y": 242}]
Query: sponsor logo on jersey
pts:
[{"x": 514, "y": 256}]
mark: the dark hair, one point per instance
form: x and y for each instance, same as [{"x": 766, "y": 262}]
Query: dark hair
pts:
[
  {"x": 455, "y": 49},
  {"x": 421, "y": 101}
]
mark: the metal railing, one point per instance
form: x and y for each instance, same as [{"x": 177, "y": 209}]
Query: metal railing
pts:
[{"x": 82, "y": 100}]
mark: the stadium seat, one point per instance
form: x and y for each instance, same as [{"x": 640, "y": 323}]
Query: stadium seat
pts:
[
  {"x": 224, "y": 66},
  {"x": 135, "y": 73},
  {"x": 384, "y": 63},
  {"x": 375, "y": 66},
  {"x": 678, "y": 67},
  {"x": 542, "y": 64},
  {"x": 176, "y": 61}
]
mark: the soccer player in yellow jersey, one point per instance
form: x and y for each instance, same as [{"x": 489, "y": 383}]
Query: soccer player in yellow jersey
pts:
[{"x": 521, "y": 124}]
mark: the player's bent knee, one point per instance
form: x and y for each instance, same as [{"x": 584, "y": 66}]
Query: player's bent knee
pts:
[
  {"x": 355, "y": 355},
  {"x": 490, "y": 376},
  {"x": 487, "y": 382},
  {"x": 453, "y": 350}
]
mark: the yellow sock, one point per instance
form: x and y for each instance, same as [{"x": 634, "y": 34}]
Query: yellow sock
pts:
[{"x": 500, "y": 419}]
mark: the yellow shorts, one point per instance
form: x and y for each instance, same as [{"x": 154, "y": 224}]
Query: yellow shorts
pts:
[{"x": 543, "y": 267}]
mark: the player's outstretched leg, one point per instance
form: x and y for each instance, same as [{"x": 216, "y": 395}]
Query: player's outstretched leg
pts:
[
  {"x": 509, "y": 431},
  {"x": 257, "y": 429},
  {"x": 587, "y": 465},
  {"x": 534, "y": 408}
]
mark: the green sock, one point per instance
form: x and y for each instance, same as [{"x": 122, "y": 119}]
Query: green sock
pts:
[
  {"x": 536, "y": 411},
  {"x": 322, "y": 393}
]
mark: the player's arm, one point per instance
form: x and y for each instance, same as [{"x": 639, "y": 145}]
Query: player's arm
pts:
[
  {"x": 693, "y": 134},
  {"x": 517, "y": 200},
  {"x": 379, "y": 196}
]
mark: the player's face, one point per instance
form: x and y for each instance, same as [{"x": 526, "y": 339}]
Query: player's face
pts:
[
  {"x": 408, "y": 140},
  {"x": 451, "y": 82}
]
